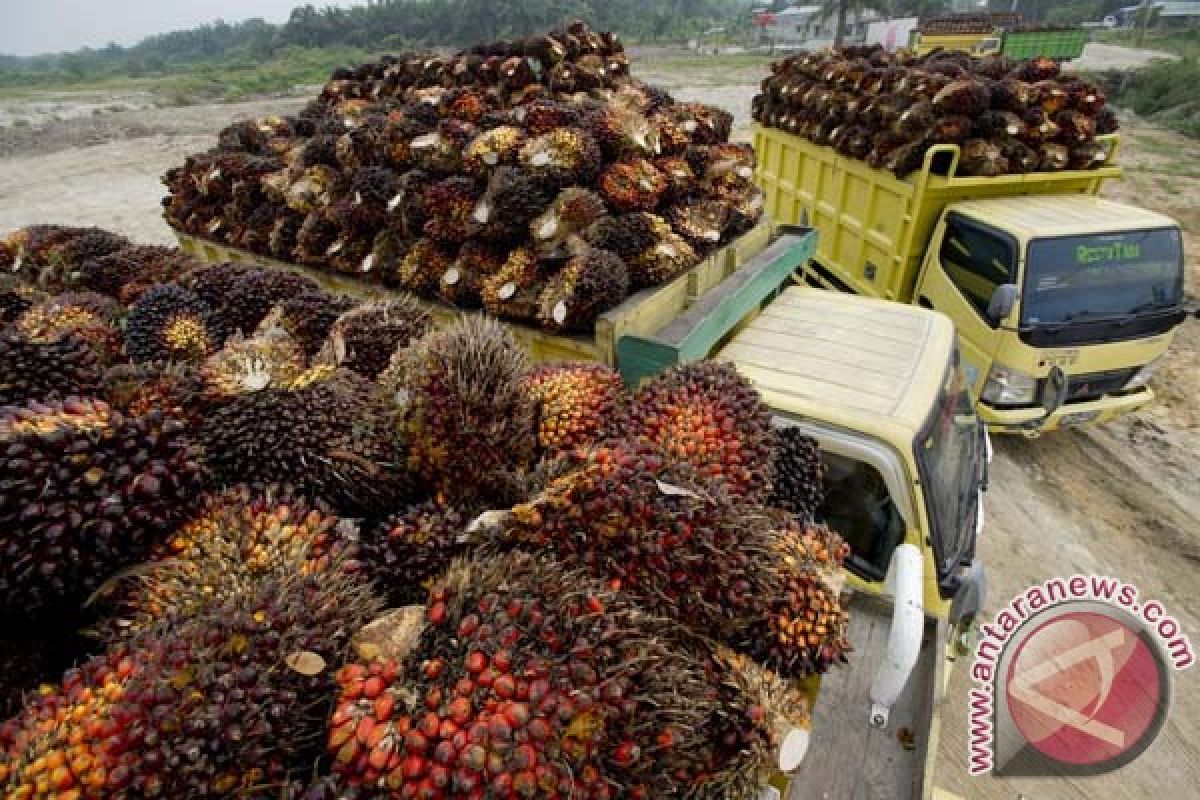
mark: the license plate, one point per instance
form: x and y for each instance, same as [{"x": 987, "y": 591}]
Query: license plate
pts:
[{"x": 1080, "y": 418}]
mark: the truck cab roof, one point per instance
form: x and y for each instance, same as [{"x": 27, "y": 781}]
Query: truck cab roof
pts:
[
  {"x": 856, "y": 362},
  {"x": 1038, "y": 216}
]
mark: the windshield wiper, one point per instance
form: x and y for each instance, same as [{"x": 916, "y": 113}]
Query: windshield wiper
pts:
[
  {"x": 1055, "y": 327},
  {"x": 1151, "y": 305},
  {"x": 1119, "y": 319}
]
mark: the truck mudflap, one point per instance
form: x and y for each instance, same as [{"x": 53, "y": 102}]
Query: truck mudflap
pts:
[
  {"x": 1033, "y": 422},
  {"x": 847, "y": 756}
]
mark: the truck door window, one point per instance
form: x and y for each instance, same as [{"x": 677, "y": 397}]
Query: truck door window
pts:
[
  {"x": 858, "y": 505},
  {"x": 976, "y": 260}
]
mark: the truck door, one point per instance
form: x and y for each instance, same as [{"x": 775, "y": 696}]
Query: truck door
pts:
[{"x": 966, "y": 261}]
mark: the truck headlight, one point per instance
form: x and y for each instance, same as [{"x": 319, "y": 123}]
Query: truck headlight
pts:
[
  {"x": 1143, "y": 375},
  {"x": 1008, "y": 387}
]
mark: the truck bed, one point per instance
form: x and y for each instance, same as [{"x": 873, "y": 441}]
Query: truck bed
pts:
[
  {"x": 850, "y": 760},
  {"x": 641, "y": 313},
  {"x": 873, "y": 227}
]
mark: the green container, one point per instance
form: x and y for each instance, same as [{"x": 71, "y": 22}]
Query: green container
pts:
[{"x": 1059, "y": 45}]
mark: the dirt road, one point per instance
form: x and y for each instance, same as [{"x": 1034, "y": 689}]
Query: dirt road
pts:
[{"x": 1121, "y": 500}]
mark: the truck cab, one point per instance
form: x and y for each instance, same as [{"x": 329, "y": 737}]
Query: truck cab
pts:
[
  {"x": 1063, "y": 301},
  {"x": 882, "y": 390},
  {"x": 1063, "y": 304}
]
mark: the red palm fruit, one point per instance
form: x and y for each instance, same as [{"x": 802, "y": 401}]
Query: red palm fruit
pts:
[
  {"x": 575, "y": 403},
  {"x": 710, "y": 417}
]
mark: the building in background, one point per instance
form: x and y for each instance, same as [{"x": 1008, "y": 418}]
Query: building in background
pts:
[
  {"x": 812, "y": 26},
  {"x": 1164, "y": 15},
  {"x": 891, "y": 33}
]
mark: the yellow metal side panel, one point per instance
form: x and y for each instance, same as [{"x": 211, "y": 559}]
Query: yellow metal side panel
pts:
[
  {"x": 863, "y": 215},
  {"x": 642, "y": 313},
  {"x": 949, "y": 41},
  {"x": 868, "y": 218}
]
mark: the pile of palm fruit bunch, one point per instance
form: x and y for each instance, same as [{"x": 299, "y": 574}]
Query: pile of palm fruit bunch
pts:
[
  {"x": 981, "y": 22},
  {"x": 218, "y": 479},
  {"x": 889, "y": 109},
  {"x": 536, "y": 179}
]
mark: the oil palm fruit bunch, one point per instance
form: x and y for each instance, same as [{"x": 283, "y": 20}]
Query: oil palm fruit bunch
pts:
[
  {"x": 41, "y": 370},
  {"x": 797, "y": 487},
  {"x": 543, "y": 116},
  {"x": 805, "y": 630},
  {"x": 575, "y": 403},
  {"x": 330, "y": 435},
  {"x": 364, "y": 206},
  {"x": 127, "y": 273},
  {"x": 591, "y": 282},
  {"x": 231, "y": 539},
  {"x": 468, "y": 423},
  {"x": 213, "y": 283},
  {"x": 138, "y": 389},
  {"x": 89, "y": 316},
  {"x": 308, "y": 316},
  {"x": 407, "y": 550},
  {"x": 169, "y": 323},
  {"x": 269, "y": 359},
  {"x": 652, "y": 251},
  {"x": 562, "y": 157},
  {"x": 650, "y": 526},
  {"x": 70, "y": 522},
  {"x": 572, "y": 210},
  {"x": 530, "y": 679},
  {"x": 668, "y": 257},
  {"x": 423, "y": 266},
  {"x": 633, "y": 185},
  {"x": 253, "y": 293},
  {"x": 492, "y": 148},
  {"x": 461, "y": 285},
  {"x": 50, "y": 255},
  {"x": 228, "y": 701},
  {"x": 451, "y": 209},
  {"x": 701, "y": 221},
  {"x": 16, "y": 297},
  {"x": 440, "y": 152},
  {"x": 513, "y": 198},
  {"x": 514, "y": 290},
  {"x": 709, "y": 416},
  {"x": 364, "y": 338},
  {"x": 847, "y": 98}
]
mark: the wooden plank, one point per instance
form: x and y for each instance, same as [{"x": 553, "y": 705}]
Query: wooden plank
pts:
[{"x": 850, "y": 760}]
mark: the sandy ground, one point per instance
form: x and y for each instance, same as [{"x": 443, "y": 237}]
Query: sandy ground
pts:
[
  {"x": 1097, "y": 55},
  {"x": 1120, "y": 500}
]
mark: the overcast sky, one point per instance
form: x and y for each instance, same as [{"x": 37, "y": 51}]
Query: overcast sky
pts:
[{"x": 48, "y": 26}]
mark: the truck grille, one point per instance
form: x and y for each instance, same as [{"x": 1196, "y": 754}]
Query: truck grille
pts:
[{"x": 1097, "y": 384}]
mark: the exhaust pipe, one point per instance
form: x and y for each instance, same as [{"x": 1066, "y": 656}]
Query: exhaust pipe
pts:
[{"x": 905, "y": 581}]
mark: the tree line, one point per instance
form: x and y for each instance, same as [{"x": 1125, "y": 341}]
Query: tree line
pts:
[{"x": 388, "y": 25}]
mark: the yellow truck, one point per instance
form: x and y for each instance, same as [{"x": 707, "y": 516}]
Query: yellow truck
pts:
[
  {"x": 881, "y": 388},
  {"x": 1063, "y": 301}
]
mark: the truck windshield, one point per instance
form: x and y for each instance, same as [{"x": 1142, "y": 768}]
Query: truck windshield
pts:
[
  {"x": 950, "y": 458},
  {"x": 1102, "y": 277}
]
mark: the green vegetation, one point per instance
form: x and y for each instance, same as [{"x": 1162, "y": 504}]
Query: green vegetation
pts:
[
  {"x": 1166, "y": 93},
  {"x": 1185, "y": 43},
  {"x": 223, "y": 60}
]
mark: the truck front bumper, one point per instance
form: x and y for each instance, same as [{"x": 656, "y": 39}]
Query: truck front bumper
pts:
[{"x": 1032, "y": 422}]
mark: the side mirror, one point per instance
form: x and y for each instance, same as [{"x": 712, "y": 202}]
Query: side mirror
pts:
[{"x": 1002, "y": 302}]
